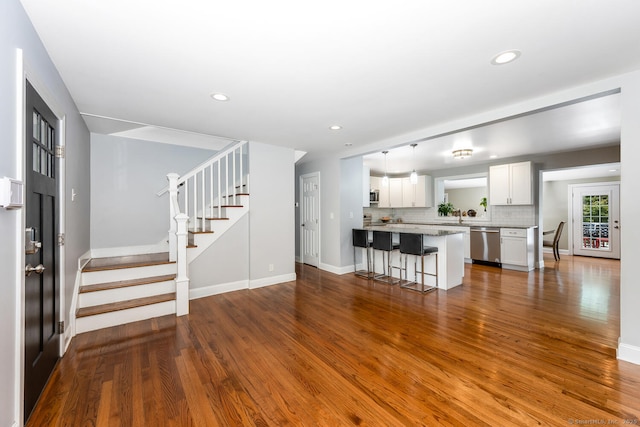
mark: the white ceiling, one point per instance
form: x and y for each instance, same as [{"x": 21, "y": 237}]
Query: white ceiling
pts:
[
  {"x": 292, "y": 69},
  {"x": 590, "y": 123}
]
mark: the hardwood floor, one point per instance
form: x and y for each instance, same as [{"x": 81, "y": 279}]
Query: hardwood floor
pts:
[{"x": 506, "y": 348}]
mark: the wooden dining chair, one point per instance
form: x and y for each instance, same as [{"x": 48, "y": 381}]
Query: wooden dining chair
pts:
[{"x": 553, "y": 243}]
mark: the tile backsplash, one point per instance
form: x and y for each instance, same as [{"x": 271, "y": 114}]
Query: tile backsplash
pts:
[{"x": 503, "y": 215}]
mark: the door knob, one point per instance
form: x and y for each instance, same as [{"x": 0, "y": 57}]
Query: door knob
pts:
[{"x": 39, "y": 269}]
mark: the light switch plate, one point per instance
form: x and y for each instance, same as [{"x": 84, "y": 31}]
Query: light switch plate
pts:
[{"x": 10, "y": 193}]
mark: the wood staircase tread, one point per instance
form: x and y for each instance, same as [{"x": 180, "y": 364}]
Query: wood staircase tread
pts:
[
  {"x": 198, "y": 231},
  {"x": 125, "y": 283},
  {"x": 124, "y": 305},
  {"x": 190, "y": 246},
  {"x": 129, "y": 261},
  {"x": 214, "y": 218},
  {"x": 237, "y": 194},
  {"x": 228, "y": 206}
]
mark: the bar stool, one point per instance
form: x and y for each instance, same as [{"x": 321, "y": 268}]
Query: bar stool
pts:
[
  {"x": 360, "y": 239},
  {"x": 383, "y": 241},
  {"x": 413, "y": 244}
]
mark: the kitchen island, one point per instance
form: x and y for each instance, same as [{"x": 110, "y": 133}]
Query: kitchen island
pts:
[{"x": 450, "y": 244}]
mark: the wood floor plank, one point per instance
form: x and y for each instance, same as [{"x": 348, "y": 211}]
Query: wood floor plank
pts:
[{"x": 505, "y": 348}]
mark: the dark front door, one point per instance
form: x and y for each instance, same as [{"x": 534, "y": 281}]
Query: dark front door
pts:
[{"x": 41, "y": 259}]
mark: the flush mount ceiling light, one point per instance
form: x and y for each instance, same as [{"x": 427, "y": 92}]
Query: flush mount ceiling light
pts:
[
  {"x": 219, "y": 97},
  {"x": 414, "y": 176},
  {"x": 385, "y": 178},
  {"x": 335, "y": 127},
  {"x": 506, "y": 57},
  {"x": 462, "y": 154}
]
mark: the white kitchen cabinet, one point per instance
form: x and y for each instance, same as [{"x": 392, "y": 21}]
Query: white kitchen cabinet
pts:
[
  {"x": 511, "y": 184},
  {"x": 384, "y": 195},
  {"x": 366, "y": 187},
  {"x": 395, "y": 192},
  {"x": 419, "y": 195},
  {"x": 401, "y": 193},
  {"x": 516, "y": 248}
]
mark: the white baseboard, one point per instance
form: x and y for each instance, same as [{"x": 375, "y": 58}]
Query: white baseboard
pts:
[
  {"x": 629, "y": 353},
  {"x": 130, "y": 250},
  {"x": 207, "y": 291},
  {"x": 336, "y": 270},
  {"x": 274, "y": 280}
]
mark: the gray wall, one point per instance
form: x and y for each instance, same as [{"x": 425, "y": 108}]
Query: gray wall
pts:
[
  {"x": 271, "y": 216},
  {"x": 126, "y": 174},
  {"x": 330, "y": 194},
  {"x": 224, "y": 262},
  {"x": 265, "y": 236},
  {"x": 16, "y": 32},
  {"x": 350, "y": 205}
]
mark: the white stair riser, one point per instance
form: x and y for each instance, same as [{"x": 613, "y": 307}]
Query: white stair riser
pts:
[
  {"x": 106, "y": 276},
  {"x": 120, "y": 317},
  {"x": 107, "y": 296}
]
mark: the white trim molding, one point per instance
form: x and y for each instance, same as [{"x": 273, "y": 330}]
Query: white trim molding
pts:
[
  {"x": 628, "y": 353},
  {"x": 274, "y": 280},
  {"x": 210, "y": 290}
]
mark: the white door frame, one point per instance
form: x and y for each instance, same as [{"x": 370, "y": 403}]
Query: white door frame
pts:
[
  {"x": 301, "y": 215},
  {"x": 26, "y": 72},
  {"x": 570, "y": 222}
]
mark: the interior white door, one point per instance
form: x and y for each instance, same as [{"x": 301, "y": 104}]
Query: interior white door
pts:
[
  {"x": 310, "y": 219},
  {"x": 596, "y": 220}
]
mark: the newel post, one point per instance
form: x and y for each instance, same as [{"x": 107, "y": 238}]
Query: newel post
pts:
[
  {"x": 182, "y": 278},
  {"x": 173, "y": 198}
]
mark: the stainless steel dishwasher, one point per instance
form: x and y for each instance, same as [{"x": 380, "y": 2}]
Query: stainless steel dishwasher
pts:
[{"x": 485, "y": 245}]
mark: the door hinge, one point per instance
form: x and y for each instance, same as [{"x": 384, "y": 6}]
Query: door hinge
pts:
[
  {"x": 61, "y": 327},
  {"x": 60, "y": 151},
  {"x": 60, "y": 239}
]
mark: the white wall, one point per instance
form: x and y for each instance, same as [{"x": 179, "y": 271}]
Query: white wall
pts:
[
  {"x": 126, "y": 174},
  {"x": 629, "y": 346},
  {"x": 271, "y": 214},
  {"x": 16, "y": 32}
]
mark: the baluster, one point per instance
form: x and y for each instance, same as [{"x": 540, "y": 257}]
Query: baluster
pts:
[
  {"x": 204, "y": 213},
  {"x": 211, "y": 190},
  {"x": 235, "y": 192},
  {"x": 219, "y": 189}
]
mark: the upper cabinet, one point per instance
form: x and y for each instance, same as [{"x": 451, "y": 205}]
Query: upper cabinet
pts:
[
  {"x": 419, "y": 195},
  {"x": 510, "y": 184},
  {"x": 401, "y": 193},
  {"x": 366, "y": 187}
]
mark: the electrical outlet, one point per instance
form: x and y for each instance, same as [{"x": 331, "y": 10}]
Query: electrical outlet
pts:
[{"x": 271, "y": 268}]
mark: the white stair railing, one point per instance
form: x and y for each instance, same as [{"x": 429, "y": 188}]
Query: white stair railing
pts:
[{"x": 206, "y": 189}]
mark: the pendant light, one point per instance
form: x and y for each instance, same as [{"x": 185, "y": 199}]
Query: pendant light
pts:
[
  {"x": 385, "y": 178},
  {"x": 414, "y": 176}
]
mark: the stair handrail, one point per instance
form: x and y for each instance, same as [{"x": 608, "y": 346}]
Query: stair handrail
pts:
[{"x": 207, "y": 163}]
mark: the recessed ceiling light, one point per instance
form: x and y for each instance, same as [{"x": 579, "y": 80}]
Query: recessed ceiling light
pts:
[
  {"x": 493, "y": 156},
  {"x": 219, "y": 97},
  {"x": 335, "y": 127},
  {"x": 506, "y": 57},
  {"x": 613, "y": 170}
]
